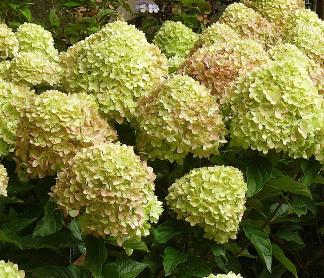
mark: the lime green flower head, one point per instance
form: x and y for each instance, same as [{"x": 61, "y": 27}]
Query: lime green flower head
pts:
[
  {"x": 306, "y": 31},
  {"x": 13, "y": 100},
  {"x": 293, "y": 53},
  {"x": 8, "y": 42},
  {"x": 110, "y": 191},
  {"x": 217, "y": 33},
  {"x": 218, "y": 65},
  {"x": 228, "y": 275},
  {"x": 10, "y": 270},
  {"x": 175, "y": 39},
  {"x": 32, "y": 69},
  {"x": 178, "y": 118},
  {"x": 249, "y": 24},
  {"x": 277, "y": 108},
  {"x": 3, "y": 184},
  {"x": 55, "y": 126},
  {"x": 118, "y": 65},
  {"x": 277, "y": 11},
  {"x": 34, "y": 38},
  {"x": 212, "y": 198}
]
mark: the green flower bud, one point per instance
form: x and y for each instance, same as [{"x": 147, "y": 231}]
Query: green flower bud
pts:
[
  {"x": 55, "y": 126},
  {"x": 249, "y": 24},
  {"x": 34, "y": 38},
  {"x": 10, "y": 270},
  {"x": 218, "y": 65},
  {"x": 277, "y": 108},
  {"x": 118, "y": 65},
  {"x": 110, "y": 191},
  {"x": 179, "y": 117},
  {"x": 175, "y": 39},
  {"x": 8, "y": 42},
  {"x": 212, "y": 198},
  {"x": 3, "y": 185},
  {"x": 13, "y": 99}
]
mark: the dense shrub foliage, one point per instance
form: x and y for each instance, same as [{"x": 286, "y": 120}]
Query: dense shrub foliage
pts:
[{"x": 161, "y": 139}]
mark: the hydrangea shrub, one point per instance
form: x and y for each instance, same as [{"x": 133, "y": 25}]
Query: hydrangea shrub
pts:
[
  {"x": 212, "y": 198},
  {"x": 110, "y": 190}
]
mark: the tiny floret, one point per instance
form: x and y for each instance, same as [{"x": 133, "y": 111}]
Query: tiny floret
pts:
[
  {"x": 10, "y": 270},
  {"x": 178, "y": 118},
  {"x": 212, "y": 198},
  {"x": 110, "y": 191},
  {"x": 3, "y": 182},
  {"x": 175, "y": 39},
  {"x": 54, "y": 127}
]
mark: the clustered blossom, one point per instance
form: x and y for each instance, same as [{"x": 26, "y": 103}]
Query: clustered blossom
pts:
[
  {"x": 310, "y": 66},
  {"x": 216, "y": 33},
  {"x": 277, "y": 11},
  {"x": 218, "y": 65},
  {"x": 174, "y": 63},
  {"x": 34, "y": 38},
  {"x": 143, "y": 6},
  {"x": 212, "y": 198},
  {"x": 31, "y": 69},
  {"x": 178, "y": 118},
  {"x": 249, "y": 24},
  {"x": 175, "y": 39},
  {"x": 8, "y": 42},
  {"x": 13, "y": 99},
  {"x": 10, "y": 270},
  {"x": 306, "y": 31},
  {"x": 117, "y": 65},
  {"x": 228, "y": 275},
  {"x": 110, "y": 191},
  {"x": 54, "y": 127},
  {"x": 277, "y": 108},
  {"x": 3, "y": 182}
]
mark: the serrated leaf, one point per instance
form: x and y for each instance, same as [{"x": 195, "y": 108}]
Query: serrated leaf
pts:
[
  {"x": 166, "y": 231},
  {"x": 261, "y": 242},
  {"x": 172, "y": 258},
  {"x": 123, "y": 269},
  {"x": 288, "y": 184},
  {"x": 280, "y": 256},
  {"x": 311, "y": 168},
  {"x": 7, "y": 236}
]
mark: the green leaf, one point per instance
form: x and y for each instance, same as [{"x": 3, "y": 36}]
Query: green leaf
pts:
[
  {"x": 280, "y": 256},
  {"x": 172, "y": 258},
  {"x": 26, "y": 13},
  {"x": 166, "y": 231},
  {"x": 51, "y": 271},
  {"x": 53, "y": 18},
  {"x": 196, "y": 267},
  {"x": 288, "y": 184},
  {"x": 75, "y": 229},
  {"x": 129, "y": 244},
  {"x": 311, "y": 168},
  {"x": 72, "y": 4},
  {"x": 15, "y": 223},
  {"x": 7, "y": 236},
  {"x": 261, "y": 242},
  {"x": 300, "y": 205},
  {"x": 123, "y": 269},
  {"x": 290, "y": 233},
  {"x": 10, "y": 200},
  {"x": 96, "y": 254},
  {"x": 258, "y": 172}
]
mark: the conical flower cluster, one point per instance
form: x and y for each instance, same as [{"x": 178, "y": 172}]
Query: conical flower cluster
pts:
[{"x": 111, "y": 192}]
